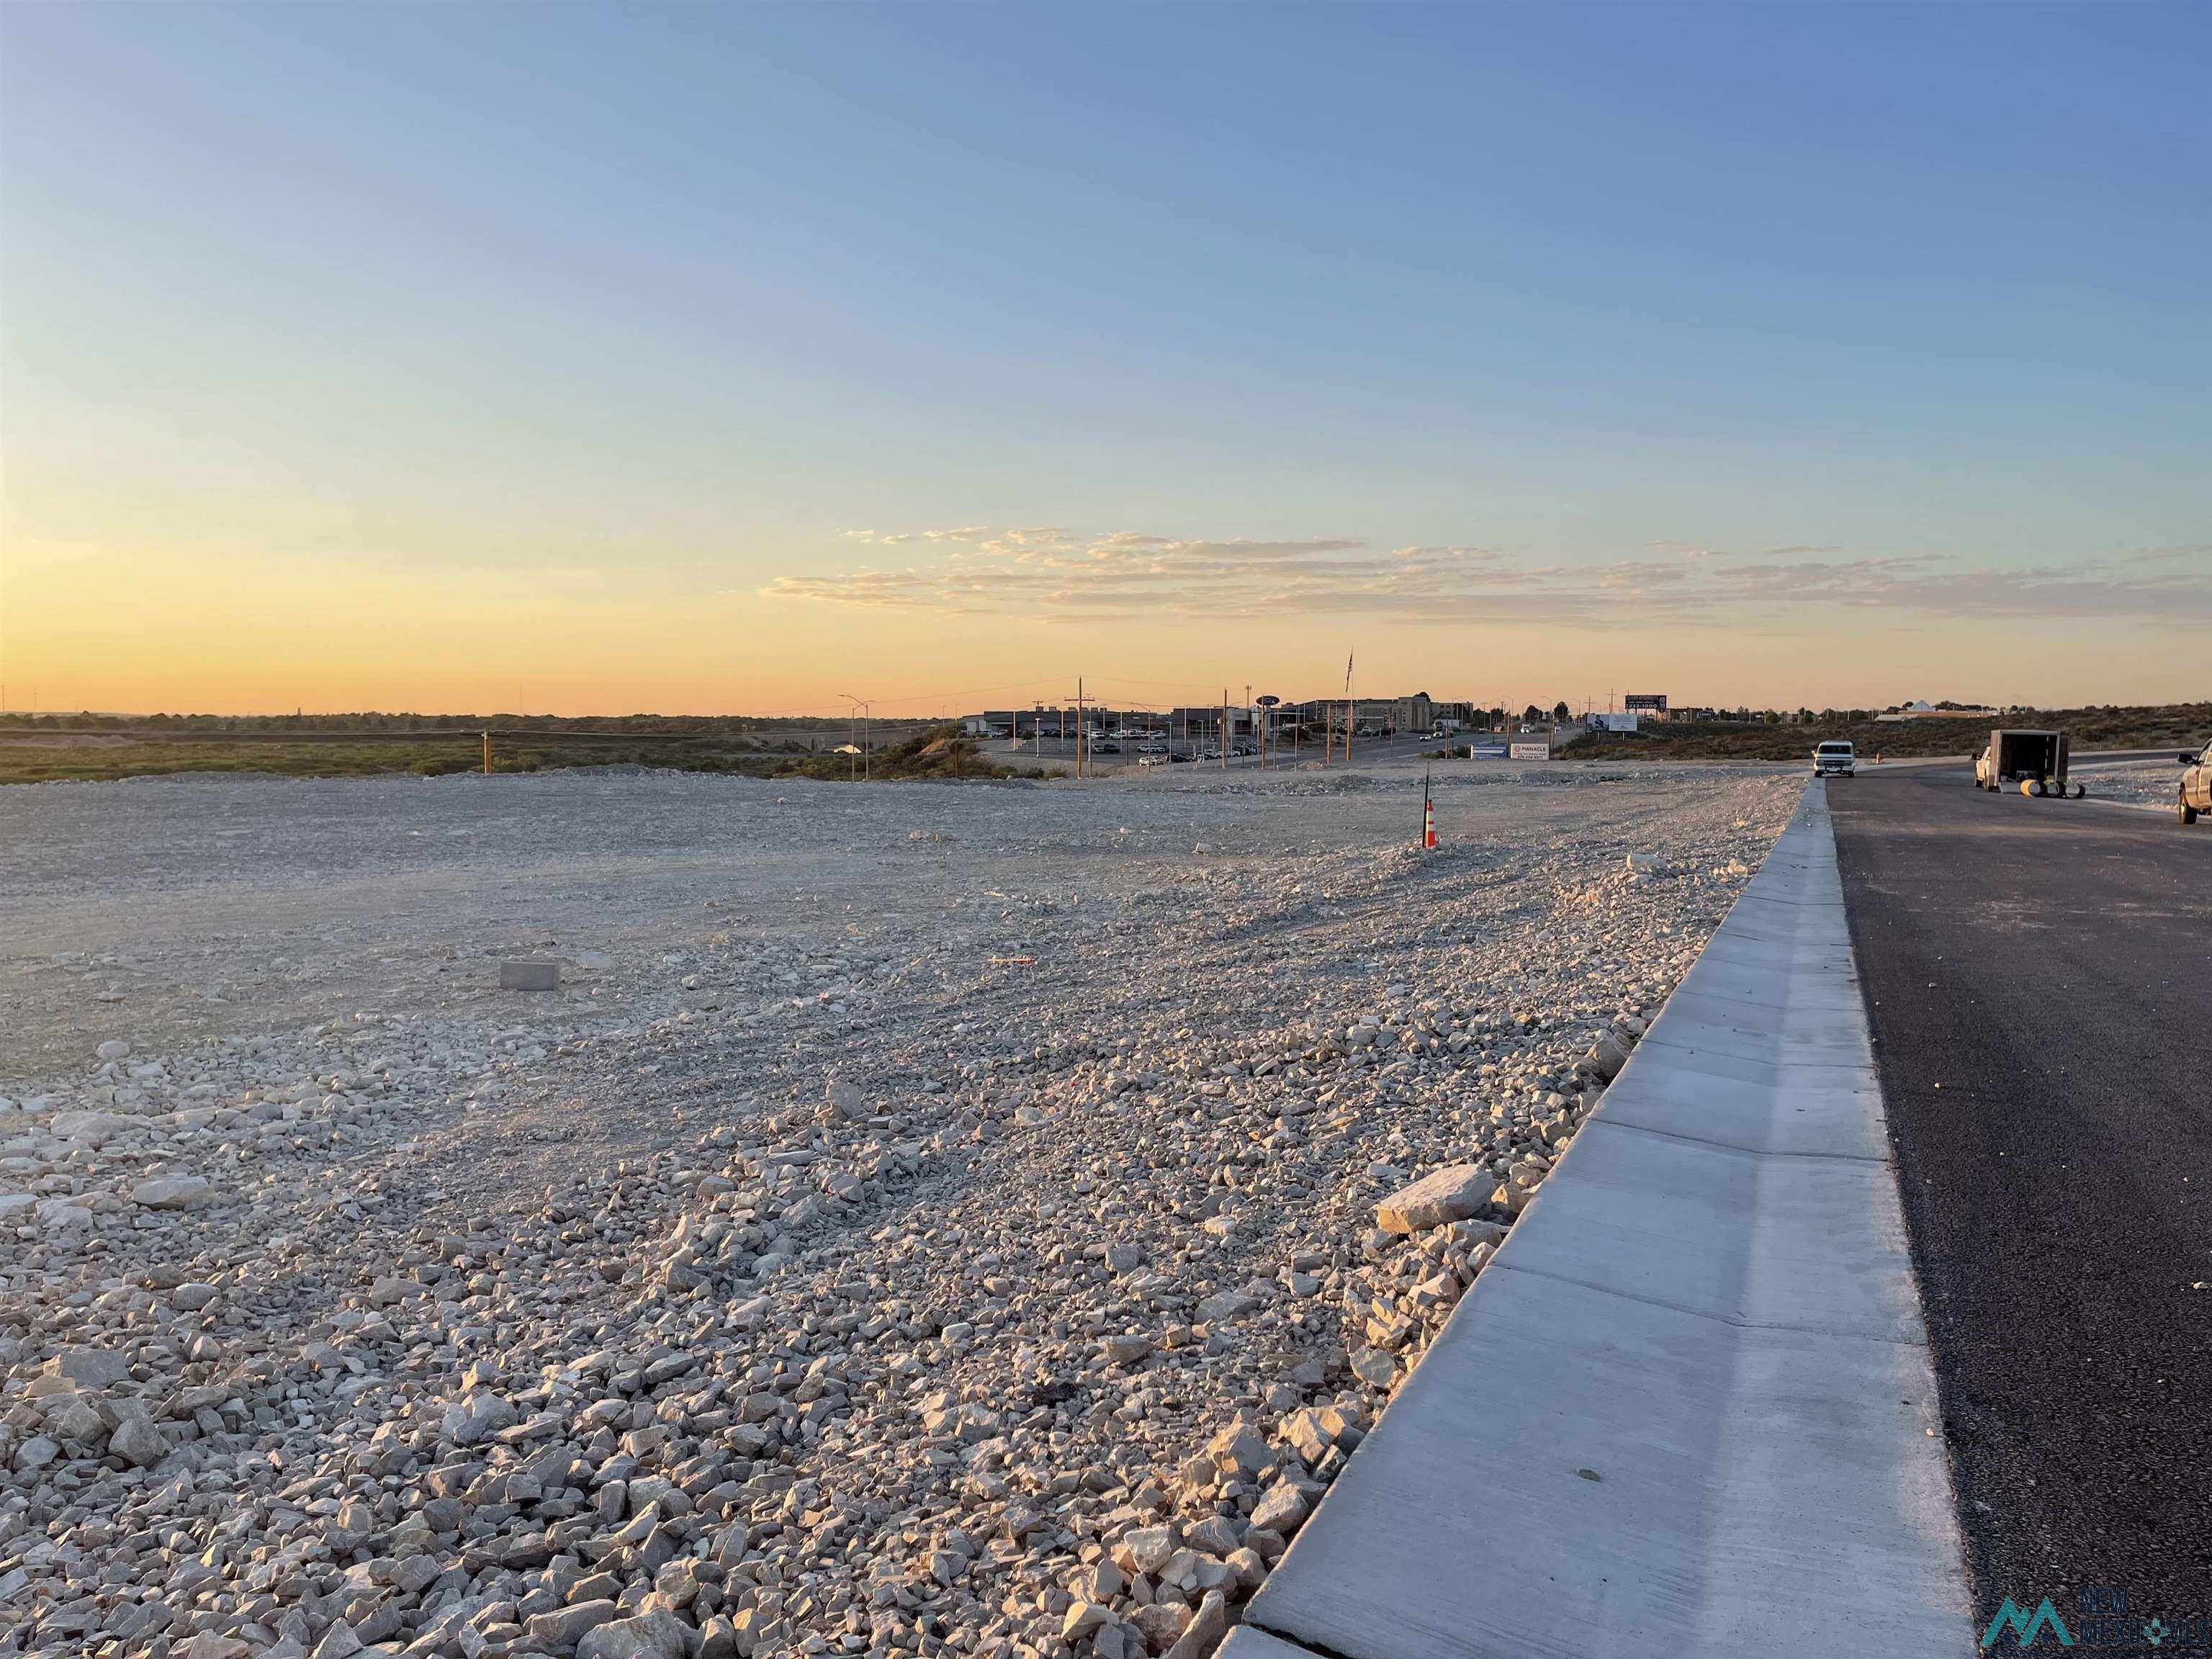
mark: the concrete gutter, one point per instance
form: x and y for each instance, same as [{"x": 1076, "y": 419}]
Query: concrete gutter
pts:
[{"x": 1688, "y": 1408}]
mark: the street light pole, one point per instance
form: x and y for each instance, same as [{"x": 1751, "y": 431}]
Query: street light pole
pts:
[{"x": 859, "y": 715}]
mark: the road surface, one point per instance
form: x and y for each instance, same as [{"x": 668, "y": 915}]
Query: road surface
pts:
[{"x": 2038, "y": 978}]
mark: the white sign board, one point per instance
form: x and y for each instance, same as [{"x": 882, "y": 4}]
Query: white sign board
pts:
[{"x": 1532, "y": 752}]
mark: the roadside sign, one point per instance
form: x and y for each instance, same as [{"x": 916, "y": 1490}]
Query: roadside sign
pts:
[
  {"x": 1532, "y": 752},
  {"x": 1488, "y": 751}
]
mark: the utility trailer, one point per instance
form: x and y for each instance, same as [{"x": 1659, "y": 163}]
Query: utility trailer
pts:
[{"x": 2036, "y": 760}]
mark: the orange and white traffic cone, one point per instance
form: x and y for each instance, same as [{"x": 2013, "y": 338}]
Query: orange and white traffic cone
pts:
[{"x": 1428, "y": 819}]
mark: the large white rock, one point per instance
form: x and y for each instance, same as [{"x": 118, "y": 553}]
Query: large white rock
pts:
[
  {"x": 92, "y": 1129},
  {"x": 173, "y": 1192},
  {"x": 1281, "y": 1509},
  {"x": 90, "y": 1368},
  {"x": 139, "y": 1442},
  {"x": 1438, "y": 1198},
  {"x": 1204, "y": 1632},
  {"x": 473, "y": 1420},
  {"x": 1606, "y": 1056},
  {"x": 648, "y": 1636}
]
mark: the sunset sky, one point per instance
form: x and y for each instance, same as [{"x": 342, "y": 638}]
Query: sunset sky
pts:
[{"x": 569, "y": 359}]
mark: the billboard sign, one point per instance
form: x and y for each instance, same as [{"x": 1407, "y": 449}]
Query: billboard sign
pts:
[
  {"x": 1488, "y": 751},
  {"x": 1646, "y": 702}
]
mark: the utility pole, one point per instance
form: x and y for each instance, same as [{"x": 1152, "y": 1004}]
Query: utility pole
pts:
[
  {"x": 1350, "y": 709},
  {"x": 1225, "y": 728},
  {"x": 858, "y": 716}
]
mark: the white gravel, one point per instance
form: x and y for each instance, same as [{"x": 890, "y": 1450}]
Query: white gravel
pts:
[
  {"x": 2145, "y": 783},
  {"x": 927, "y": 1219}
]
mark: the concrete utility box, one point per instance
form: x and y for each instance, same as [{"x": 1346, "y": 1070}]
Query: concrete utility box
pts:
[{"x": 529, "y": 975}]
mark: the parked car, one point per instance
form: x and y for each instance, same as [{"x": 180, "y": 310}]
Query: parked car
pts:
[
  {"x": 2196, "y": 794},
  {"x": 1835, "y": 759},
  {"x": 1106, "y": 746},
  {"x": 1152, "y": 760}
]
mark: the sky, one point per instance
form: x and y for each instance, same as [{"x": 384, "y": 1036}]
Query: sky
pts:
[{"x": 720, "y": 358}]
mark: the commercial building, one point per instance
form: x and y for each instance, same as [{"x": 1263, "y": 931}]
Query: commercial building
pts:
[{"x": 1202, "y": 723}]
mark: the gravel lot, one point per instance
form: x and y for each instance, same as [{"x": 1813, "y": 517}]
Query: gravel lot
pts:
[
  {"x": 927, "y": 1219},
  {"x": 2147, "y": 783}
]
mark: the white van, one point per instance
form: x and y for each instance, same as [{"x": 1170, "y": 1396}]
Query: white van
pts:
[{"x": 1834, "y": 760}]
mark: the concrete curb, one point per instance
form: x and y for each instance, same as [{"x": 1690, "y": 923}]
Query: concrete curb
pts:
[{"x": 1688, "y": 1408}]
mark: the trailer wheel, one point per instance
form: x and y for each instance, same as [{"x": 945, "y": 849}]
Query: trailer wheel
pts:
[{"x": 2080, "y": 790}]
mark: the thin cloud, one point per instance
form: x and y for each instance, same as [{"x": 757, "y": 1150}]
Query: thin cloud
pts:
[{"x": 1057, "y": 575}]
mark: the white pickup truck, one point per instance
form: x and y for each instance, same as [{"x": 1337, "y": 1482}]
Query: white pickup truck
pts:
[
  {"x": 1835, "y": 759},
  {"x": 2196, "y": 796}
]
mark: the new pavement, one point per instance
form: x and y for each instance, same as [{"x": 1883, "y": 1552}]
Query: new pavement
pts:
[{"x": 2038, "y": 979}]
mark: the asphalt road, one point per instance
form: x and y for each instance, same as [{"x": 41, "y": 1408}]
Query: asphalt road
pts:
[{"x": 2038, "y": 977}]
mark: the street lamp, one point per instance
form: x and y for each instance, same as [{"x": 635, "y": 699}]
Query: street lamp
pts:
[{"x": 862, "y": 710}]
